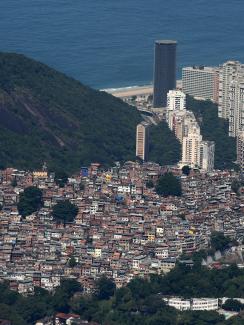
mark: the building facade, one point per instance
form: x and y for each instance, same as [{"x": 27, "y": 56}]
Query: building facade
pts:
[
  {"x": 142, "y": 140},
  {"x": 176, "y": 108},
  {"x": 164, "y": 71},
  {"x": 176, "y": 100},
  {"x": 236, "y": 106},
  {"x": 227, "y": 74},
  {"x": 240, "y": 151},
  {"x": 193, "y": 304},
  {"x": 191, "y": 147},
  {"x": 201, "y": 82},
  {"x": 207, "y": 150}
]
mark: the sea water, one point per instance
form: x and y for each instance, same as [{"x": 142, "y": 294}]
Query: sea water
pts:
[{"x": 110, "y": 43}]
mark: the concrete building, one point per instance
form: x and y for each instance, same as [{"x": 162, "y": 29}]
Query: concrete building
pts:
[
  {"x": 240, "y": 151},
  {"x": 182, "y": 122},
  {"x": 229, "y": 72},
  {"x": 164, "y": 71},
  {"x": 177, "y": 124},
  {"x": 201, "y": 82},
  {"x": 236, "y": 106},
  {"x": 176, "y": 100},
  {"x": 193, "y": 304},
  {"x": 176, "y": 104},
  {"x": 207, "y": 149},
  {"x": 142, "y": 140},
  {"x": 191, "y": 146}
]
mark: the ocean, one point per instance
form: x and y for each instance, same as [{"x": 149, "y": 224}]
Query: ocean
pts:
[{"x": 110, "y": 43}]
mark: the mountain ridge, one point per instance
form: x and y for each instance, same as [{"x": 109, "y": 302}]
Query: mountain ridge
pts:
[{"x": 55, "y": 118}]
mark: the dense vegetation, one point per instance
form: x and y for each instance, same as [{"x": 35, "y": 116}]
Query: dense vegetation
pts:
[
  {"x": 233, "y": 305},
  {"x": 61, "y": 178},
  {"x": 219, "y": 241},
  {"x": 214, "y": 129},
  {"x": 30, "y": 201},
  {"x": 186, "y": 170},
  {"x": 168, "y": 185},
  {"x": 164, "y": 147},
  {"x": 47, "y": 116},
  {"x": 65, "y": 211},
  {"x": 140, "y": 302}
]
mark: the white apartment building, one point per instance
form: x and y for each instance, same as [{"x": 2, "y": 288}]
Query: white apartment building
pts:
[
  {"x": 142, "y": 140},
  {"x": 228, "y": 73},
  {"x": 207, "y": 150},
  {"x": 176, "y": 105},
  {"x": 236, "y": 106},
  {"x": 180, "y": 122},
  {"x": 204, "y": 304},
  {"x": 201, "y": 82},
  {"x": 191, "y": 146},
  {"x": 240, "y": 151},
  {"x": 193, "y": 304},
  {"x": 176, "y": 100}
]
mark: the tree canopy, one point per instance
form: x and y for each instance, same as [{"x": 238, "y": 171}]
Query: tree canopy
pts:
[
  {"x": 233, "y": 305},
  {"x": 105, "y": 288},
  {"x": 61, "y": 178},
  {"x": 164, "y": 147},
  {"x": 186, "y": 170},
  {"x": 64, "y": 211},
  {"x": 168, "y": 185},
  {"x": 219, "y": 241},
  {"x": 30, "y": 201}
]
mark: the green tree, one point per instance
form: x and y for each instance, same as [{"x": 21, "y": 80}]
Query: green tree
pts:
[
  {"x": 61, "y": 178},
  {"x": 233, "y": 305},
  {"x": 219, "y": 241},
  {"x": 30, "y": 201},
  {"x": 65, "y": 211},
  {"x": 82, "y": 186},
  {"x": 235, "y": 186},
  {"x": 201, "y": 318},
  {"x": 105, "y": 288},
  {"x": 72, "y": 262},
  {"x": 14, "y": 182},
  {"x": 168, "y": 185},
  {"x": 186, "y": 170},
  {"x": 164, "y": 147},
  {"x": 149, "y": 184}
]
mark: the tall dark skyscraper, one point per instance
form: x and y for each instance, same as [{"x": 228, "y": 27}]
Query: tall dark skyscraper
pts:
[{"x": 164, "y": 71}]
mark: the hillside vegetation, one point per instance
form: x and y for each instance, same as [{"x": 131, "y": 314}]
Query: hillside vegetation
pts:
[
  {"x": 47, "y": 116},
  {"x": 164, "y": 147}
]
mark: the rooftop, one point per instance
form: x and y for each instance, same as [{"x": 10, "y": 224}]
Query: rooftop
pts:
[{"x": 165, "y": 42}]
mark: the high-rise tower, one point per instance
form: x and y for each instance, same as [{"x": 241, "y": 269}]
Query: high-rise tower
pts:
[
  {"x": 240, "y": 151},
  {"x": 164, "y": 71},
  {"x": 142, "y": 140}
]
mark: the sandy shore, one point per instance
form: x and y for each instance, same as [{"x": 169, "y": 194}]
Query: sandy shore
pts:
[
  {"x": 134, "y": 91},
  {"x": 130, "y": 91}
]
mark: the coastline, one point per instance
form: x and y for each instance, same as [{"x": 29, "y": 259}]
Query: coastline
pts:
[
  {"x": 134, "y": 90},
  {"x": 130, "y": 91}
]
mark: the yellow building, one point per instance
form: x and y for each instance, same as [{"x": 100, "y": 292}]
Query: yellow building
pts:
[{"x": 40, "y": 174}]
